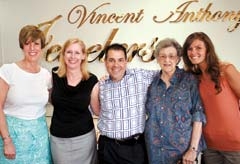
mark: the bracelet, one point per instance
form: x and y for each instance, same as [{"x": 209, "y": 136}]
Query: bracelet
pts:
[
  {"x": 194, "y": 149},
  {"x": 5, "y": 138}
]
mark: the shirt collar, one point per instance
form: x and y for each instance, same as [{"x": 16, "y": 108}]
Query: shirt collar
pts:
[
  {"x": 128, "y": 72},
  {"x": 176, "y": 76}
]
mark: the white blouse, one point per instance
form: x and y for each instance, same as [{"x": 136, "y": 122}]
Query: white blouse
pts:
[{"x": 28, "y": 92}]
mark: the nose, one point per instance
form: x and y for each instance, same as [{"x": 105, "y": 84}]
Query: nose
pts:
[
  {"x": 73, "y": 55},
  {"x": 168, "y": 58},
  {"x": 32, "y": 46},
  {"x": 115, "y": 63}
]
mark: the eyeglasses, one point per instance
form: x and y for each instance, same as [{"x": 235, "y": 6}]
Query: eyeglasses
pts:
[{"x": 171, "y": 57}]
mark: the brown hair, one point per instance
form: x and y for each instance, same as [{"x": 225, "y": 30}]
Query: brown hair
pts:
[
  {"x": 115, "y": 46},
  {"x": 33, "y": 33},
  {"x": 212, "y": 60},
  {"x": 62, "y": 65}
]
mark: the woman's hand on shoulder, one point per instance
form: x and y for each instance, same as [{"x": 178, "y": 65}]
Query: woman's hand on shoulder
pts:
[{"x": 103, "y": 78}]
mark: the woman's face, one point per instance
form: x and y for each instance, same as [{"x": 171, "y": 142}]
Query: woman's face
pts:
[
  {"x": 32, "y": 50},
  {"x": 73, "y": 56},
  {"x": 168, "y": 59},
  {"x": 197, "y": 52}
]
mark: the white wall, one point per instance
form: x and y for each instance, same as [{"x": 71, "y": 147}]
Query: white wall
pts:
[
  {"x": 2, "y": 18},
  {"x": 1, "y": 54},
  {"x": 15, "y": 14}
]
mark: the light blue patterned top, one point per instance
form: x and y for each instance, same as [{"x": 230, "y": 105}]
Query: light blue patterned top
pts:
[{"x": 171, "y": 112}]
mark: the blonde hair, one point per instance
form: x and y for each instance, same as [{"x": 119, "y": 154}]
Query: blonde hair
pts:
[{"x": 62, "y": 65}]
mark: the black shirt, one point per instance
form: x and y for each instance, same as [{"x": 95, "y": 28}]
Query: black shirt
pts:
[{"x": 71, "y": 115}]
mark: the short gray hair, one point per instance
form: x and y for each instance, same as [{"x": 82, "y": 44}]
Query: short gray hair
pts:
[{"x": 168, "y": 42}]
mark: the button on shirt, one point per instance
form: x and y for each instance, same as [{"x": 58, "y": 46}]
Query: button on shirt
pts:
[
  {"x": 171, "y": 112},
  {"x": 123, "y": 104}
]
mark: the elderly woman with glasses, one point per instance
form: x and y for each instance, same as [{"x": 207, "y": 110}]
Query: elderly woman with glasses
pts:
[{"x": 173, "y": 128}]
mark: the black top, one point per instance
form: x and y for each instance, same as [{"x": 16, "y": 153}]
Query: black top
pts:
[{"x": 71, "y": 115}]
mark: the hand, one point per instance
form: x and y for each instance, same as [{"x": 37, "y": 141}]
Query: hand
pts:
[
  {"x": 103, "y": 78},
  {"x": 9, "y": 149},
  {"x": 179, "y": 162},
  {"x": 189, "y": 157}
]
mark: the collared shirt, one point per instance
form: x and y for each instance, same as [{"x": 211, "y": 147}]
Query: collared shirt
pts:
[
  {"x": 171, "y": 112},
  {"x": 123, "y": 104}
]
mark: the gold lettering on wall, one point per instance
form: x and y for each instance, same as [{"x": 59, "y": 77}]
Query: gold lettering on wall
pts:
[
  {"x": 53, "y": 51},
  {"x": 78, "y": 14},
  {"x": 97, "y": 51},
  {"x": 45, "y": 26},
  {"x": 182, "y": 14}
]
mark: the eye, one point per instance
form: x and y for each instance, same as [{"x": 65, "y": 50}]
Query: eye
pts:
[
  {"x": 199, "y": 48},
  {"x": 121, "y": 60},
  {"x": 162, "y": 56},
  {"x": 68, "y": 52},
  {"x": 172, "y": 56},
  {"x": 110, "y": 60},
  {"x": 190, "y": 49},
  {"x": 27, "y": 43},
  {"x": 77, "y": 53}
]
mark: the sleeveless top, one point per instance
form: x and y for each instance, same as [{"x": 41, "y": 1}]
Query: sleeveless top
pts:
[
  {"x": 223, "y": 116},
  {"x": 71, "y": 114}
]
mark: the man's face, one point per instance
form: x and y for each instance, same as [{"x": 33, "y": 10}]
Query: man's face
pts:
[{"x": 116, "y": 64}]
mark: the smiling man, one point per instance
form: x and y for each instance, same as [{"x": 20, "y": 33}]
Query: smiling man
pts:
[{"x": 122, "y": 116}]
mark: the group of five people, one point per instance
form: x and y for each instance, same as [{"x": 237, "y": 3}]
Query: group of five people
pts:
[{"x": 145, "y": 116}]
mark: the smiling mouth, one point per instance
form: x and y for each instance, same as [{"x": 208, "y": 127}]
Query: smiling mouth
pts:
[
  {"x": 32, "y": 54},
  {"x": 195, "y": 57}
]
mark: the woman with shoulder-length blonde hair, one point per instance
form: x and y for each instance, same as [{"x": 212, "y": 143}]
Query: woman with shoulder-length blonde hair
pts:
[
  {"x": 73, "y": 138},
  {"x": 83, "y": 66}
]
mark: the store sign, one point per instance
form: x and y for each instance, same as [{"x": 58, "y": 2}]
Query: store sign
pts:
[{"x": 79, "y": 15}]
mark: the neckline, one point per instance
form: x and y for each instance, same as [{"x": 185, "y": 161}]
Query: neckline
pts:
[{"x": 22, "y": 70}]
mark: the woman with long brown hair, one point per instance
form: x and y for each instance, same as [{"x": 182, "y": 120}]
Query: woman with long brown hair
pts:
[{"x": 220, "y": 92}]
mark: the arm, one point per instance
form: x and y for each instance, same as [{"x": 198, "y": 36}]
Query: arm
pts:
[
  {"x": 94, "y": 102},
  {"x": 191, "y": 153},
  {"x": 233, "y": 78},
  {"x": 50, "y": 86},
  {"x": 49, "y": 95},
  {"x": 9, "y": 149},
  {"x": 198, "y": 120}
]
